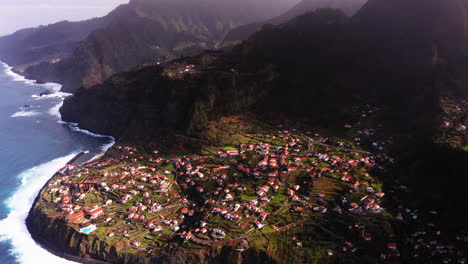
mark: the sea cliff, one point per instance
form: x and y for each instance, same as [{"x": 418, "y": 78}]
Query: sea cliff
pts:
[{"x": 59, "y": 238}]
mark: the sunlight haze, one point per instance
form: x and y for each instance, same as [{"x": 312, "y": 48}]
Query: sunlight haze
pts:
[{"x": 19, "y": 14}]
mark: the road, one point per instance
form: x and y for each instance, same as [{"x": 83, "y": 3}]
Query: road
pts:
[
  {"x": 313, "y": 142},
  {"x": 284, "y": 228}
]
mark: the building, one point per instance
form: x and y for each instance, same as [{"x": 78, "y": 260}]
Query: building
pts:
[
  {"x": 94, "y": 212},
  {"x": 76, "y": 216},
  {"x": 273, "y": 174},
  {"x": 233, "y": 152}
]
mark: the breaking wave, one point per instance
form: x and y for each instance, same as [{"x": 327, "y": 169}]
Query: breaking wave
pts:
[
  {"x": 74, "y": 127},
  {"x": 55, "y": 111},
  {"x": 16, "y": 77},
  {"x": 13, "y": 227},
  {"x": 24, "y": 113},
  {"x": 51, "y": 95}
]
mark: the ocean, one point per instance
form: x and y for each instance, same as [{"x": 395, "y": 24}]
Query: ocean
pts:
[{"x": 34, "y": 144}]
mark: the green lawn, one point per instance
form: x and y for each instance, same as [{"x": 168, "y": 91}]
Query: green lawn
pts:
[
  {"x": 169, "y": 167},
  {"x": 226, "y": 148},
  {"x": 248, "y": 197},
  {"x": 279, "y": 198}
]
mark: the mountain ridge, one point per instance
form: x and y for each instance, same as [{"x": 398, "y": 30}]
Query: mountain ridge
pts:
[
  {"x": 349, "y": 7},
  {"x": 343, "y": 61},
  {"x": 143, "y": 31},
  {"x": 30, "y": 41},
  {"x": 381, "y": 73}
]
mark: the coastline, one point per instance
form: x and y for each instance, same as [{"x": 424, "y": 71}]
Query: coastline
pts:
[
  {"x": 55, "y": 92},
  {"x": 50, "y": 247}
]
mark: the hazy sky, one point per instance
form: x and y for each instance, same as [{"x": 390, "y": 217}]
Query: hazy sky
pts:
[{"x": 18, "y": 14}]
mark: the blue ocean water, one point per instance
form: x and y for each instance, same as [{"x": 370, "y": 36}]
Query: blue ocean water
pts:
[{"x": 34, "y": 144}]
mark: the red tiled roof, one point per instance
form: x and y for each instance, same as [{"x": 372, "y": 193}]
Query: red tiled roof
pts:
[{"x": 75, "y": 216}]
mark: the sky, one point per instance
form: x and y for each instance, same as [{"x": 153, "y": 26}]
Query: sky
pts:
[{"x": 18, "y": 14}]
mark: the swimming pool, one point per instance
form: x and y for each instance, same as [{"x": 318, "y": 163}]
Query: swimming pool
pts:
[{"x": 88, "y": 229}]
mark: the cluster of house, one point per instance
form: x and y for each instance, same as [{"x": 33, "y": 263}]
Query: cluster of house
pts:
[
  {"x": 455, "y": 116},
  {"x": 274, "y": 161},
  {"x": 429, "y": 243},
  {"x": 92, "y": 211},
  {"x": 178, "y": 70},
  {"x": 67, "y": 193},
  {"x": 426, "y": 246},
  {"x": 269, "y": 168},
  {"x": 68, "y": 187}
]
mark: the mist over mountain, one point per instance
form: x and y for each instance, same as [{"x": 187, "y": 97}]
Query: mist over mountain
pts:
[
  {"x": 142, "y": 31},
  {"x": 349, "y": 7}
]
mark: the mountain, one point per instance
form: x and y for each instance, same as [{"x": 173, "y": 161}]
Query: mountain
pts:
[
  {"x": 399, "y": 57},
  {"x": 139, "y": 32},
  {"x": 162, "y": 98},
  {"x": 52, "y": 42},
  {"x": 393, "y": 54},
  {"x": 412, "y": 36},
  {"x": 349, "y": 7}
]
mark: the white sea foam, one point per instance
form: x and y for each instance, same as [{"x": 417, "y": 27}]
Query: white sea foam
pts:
[
  {"x": 16, "y": 77},
  {"x": 74, "y": 127},
  {"x": 54, "y": 90},
  {"x": 51, "y": 95},
  {"x": 55, "y": 111},
  {"x": 53, "y": 87},
  {"x": 13, "y": 227},
  {"x": 104, "y": 148},
  {"x": 24, "y": 113}
]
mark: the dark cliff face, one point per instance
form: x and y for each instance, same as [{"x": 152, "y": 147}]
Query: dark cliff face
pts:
[
  {"x": 291, "y": 75},
  {"x": 148, "y": 102},
  {"x": 416, "y": 37},
  {"x": 66, "y": 242},
  {"x": 412, "y": 52},
  {"x": 318, "y": 66}
]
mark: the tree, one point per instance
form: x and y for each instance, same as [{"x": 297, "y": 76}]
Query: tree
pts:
[{"x": 199, "y": 120}]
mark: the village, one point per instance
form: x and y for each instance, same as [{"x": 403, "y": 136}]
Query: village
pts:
[
  {"x": 454, "y": 132},
  {"x": 295, "y": 194}
]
